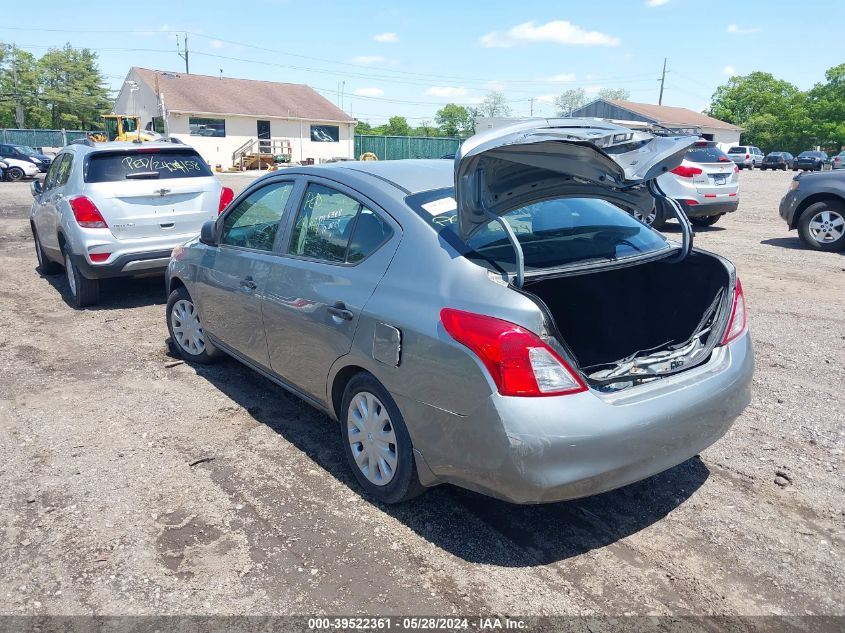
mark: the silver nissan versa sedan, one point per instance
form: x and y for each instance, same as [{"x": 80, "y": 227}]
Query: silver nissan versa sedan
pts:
[{"x": 500, "y": 322}]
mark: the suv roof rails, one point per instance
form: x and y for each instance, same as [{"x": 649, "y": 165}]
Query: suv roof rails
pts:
[{"x": 82, "y": 141}]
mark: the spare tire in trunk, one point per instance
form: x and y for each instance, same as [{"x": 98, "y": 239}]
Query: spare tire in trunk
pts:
[{"x": 607, "y": 316}]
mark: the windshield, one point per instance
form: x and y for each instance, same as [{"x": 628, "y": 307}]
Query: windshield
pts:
[
  {"x": 145, "y": 164},
  {"x": 26, "y": 150},
  {"x": 553, "y": 233}
]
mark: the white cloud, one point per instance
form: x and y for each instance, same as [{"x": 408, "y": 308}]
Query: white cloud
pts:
[
  {"x": 546, "y": 98},
  {"x": 495, "y": 85},
  {"x": 561, "y": 77},
  {"x": 368, "y": 92},
  {"x": 656, "y": 3},
  {"x": 446, "y": 91},
  {"x": 739, "y": 30},
  {"x": 555, "y": 32},
  {"x": 387, "y": 38},
  {"x": 216, "y": 44},
  {"x": 729, "y": 70}
]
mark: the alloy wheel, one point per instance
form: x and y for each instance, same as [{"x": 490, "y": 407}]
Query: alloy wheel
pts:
[
  {"x": 827, "y": 226},
  {"x": 71, "y": 276},
  {"x": 372, "y": 438},
  {"x": 187, "y": 328},
  {"x": 647, "y": 219}
]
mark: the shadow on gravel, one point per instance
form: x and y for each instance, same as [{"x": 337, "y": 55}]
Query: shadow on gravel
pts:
[
  {"x": 792, "y": 243},
  {"x": 468, "y": 525},
  {"x": 118, "y": 293}
]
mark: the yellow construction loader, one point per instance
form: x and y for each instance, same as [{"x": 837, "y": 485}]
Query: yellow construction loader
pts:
[{"x": 122, "y": 127}]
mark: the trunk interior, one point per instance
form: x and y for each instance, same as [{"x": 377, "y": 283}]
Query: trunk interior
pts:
[{"x": 608, "y": 316}]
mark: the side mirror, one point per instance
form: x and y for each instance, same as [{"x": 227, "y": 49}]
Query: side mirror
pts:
[
  {"x": 36, "y": 187},
  {"x": 208, "y": 234}
]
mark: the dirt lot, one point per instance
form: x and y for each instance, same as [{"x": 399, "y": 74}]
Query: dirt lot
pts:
[{"x": 102, "y": 511}]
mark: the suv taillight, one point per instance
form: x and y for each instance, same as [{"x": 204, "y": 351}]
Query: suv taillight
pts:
[
  {"x": 738, "y": 323},
  {"x": 87, "y": 214},
  {"x": 748, "y": 155},
  {"x": 226, "y": 196},
  {"x": 519, "y": 362},
  {"x": 686, "y": 172}
]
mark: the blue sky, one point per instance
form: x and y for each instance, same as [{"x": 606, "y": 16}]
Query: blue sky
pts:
[{"x": 410, "y": 58}]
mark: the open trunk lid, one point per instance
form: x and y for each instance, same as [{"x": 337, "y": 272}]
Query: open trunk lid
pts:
[{"x": 532, "y": 160}]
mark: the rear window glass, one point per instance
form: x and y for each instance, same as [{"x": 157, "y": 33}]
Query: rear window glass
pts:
[
  {"x": 737, "y": 150},
  {"x": 706, "y": 154},
  {"x": 141, "y": 165},
  {"x": 812, "y": 155},
  {"x": 552, "y": 233}
]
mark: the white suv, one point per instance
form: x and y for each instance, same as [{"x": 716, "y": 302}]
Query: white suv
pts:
[
  {"x": 119, "y": 209},
  {"x": 746, "y": 156}
]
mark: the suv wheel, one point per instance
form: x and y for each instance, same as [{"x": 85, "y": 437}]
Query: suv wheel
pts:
[
  {"x": 185, "y": 327},
  {"x": 751, "y": 166},
  {"x": 83, "y": 291},
  {"x": 822, "y": 226},
  {"x": 45, "y": 265},
  {"x": 14, "y": 173},
  {"x": 376, "y": 442}
]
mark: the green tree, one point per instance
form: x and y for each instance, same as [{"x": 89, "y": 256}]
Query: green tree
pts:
[
  {"x": 772, "y": 111},
  {"x": 426, "y": 129},
  {"x": 363, "y": 127},
  {"x": 454, "y": 120},
  {"x": 397, "y": 126},
  {"x": 72, "y": 88},
  {"x": 570, "y": 100},
  {"x": 20, "y": 80},
  {"x": 826, "y": 108},
  {"x": 494, "y": 104},
  {"x": 610, "y": 94}
]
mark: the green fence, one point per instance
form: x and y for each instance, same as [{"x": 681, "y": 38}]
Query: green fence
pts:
[
  {"x": 41, "y": 138},
  {"x": 397, "y": 147}
]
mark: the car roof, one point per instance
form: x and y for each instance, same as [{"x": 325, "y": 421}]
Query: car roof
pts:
[{"x": 410, "y": 175}]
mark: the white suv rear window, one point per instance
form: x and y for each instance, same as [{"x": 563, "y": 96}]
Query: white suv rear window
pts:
[{"x": 145, "y": 163}]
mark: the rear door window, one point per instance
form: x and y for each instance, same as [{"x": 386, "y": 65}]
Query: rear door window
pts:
[
  {"x": 553, "y": 233},
  {"x": 334, "y": 227},
  {"x": 143, "y": 163}
]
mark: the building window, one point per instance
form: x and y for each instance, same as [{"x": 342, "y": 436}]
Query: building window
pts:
[
  {"x": 207, "y": 127},
  {"x": 325, "y": 133}
]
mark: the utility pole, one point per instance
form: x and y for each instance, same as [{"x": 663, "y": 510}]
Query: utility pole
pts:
[
  {"x": 662, "y": 81},
  {"x": 531, "y": 100},
  {"x": 185, "y": 54}
]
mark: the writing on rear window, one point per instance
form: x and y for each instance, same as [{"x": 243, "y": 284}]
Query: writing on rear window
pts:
[
  {"x": 151, "y": 163},
  {"x": 132, "y": 165}
]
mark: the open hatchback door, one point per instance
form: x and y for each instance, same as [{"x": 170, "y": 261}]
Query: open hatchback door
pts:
[
  {"x": 625, "y": 302},
  {"x": 530, "y": 161}
]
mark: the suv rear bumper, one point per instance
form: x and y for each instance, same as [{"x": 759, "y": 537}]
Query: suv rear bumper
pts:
[
  {"x": 128, "y": 265},
  {"x": 707, "y": 210}
]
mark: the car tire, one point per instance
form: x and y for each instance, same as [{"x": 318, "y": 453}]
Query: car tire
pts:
[
  {"x": 751, "y": 166},
  {"x": 84, "y": 292},
  {"x": 187, "y": 338},
  {"x": 708, "y": 220},
  {"x": 794, "y": 169},
  {"x": 831, "y": 214},
  {"x": 14, "y": 174},
  {"x": 45, "y": 265},
  {"x": 367, "y": 408}
]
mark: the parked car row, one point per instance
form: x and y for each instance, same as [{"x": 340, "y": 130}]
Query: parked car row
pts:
[
  {"x": 22, "y": 161},
  {"x": 479, "y": 372}
]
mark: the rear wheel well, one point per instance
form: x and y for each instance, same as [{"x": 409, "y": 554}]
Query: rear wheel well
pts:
[
  {"x": 817, "y": 197},
  {"x": 339, "y": 386}
]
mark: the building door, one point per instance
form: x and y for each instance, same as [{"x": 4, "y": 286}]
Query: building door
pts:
[{"x": 263, "y": 131}]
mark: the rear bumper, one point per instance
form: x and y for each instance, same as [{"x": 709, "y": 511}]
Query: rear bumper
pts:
[
  {"x": 706, "y": 210},
  {"x": 128, "y": 265},
  {"x": 537, "y": 450}
]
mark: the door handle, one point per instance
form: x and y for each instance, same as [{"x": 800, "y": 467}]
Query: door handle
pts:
[
  {"x": 248, "y": 283},
  {"x": 339, "y": 310}
]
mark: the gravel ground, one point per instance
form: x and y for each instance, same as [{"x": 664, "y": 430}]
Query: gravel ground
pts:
[{"x": 107, "y": 510}]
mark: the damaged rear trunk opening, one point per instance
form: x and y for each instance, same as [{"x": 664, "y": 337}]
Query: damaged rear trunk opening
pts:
[{"x": 628, "y": 325}]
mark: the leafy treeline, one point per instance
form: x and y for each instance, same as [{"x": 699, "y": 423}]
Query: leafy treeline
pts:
[
  {"x": 62, "y": 89},
  {"x": 776, "y": 115}
]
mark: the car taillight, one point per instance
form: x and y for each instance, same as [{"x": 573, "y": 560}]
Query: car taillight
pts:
[
  {"x": 748, "y": 155},
  {"x": 87, "y": 214},
  {"x": 736, "y": 169},
  {"x": 686, "y": 172},
  {"x": 226, "y": 196},
  {"x": 519, "y": 362},
  {"x": 737, "y": 323}
]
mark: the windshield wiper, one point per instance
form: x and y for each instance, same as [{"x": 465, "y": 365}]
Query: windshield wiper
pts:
[{"x": 143, "y": 175}]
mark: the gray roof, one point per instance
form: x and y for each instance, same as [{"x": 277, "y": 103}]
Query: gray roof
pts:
[{"x": 412, "y": 175}]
